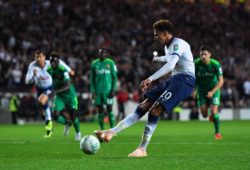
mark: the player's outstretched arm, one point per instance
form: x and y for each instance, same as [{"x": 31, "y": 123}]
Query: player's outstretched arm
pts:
[{"x": 165, "y": 69}]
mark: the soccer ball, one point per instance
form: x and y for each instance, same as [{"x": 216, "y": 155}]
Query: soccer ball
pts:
[{"x": 89, "y": 144}]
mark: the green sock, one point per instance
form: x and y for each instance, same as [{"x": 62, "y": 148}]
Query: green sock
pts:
[
  {"x": 101, "y": 120},
  {"x": 76, "y": 125},
  {"x": 61, "y": 119},
  {"x": 216, "y": 122},
  {"x": 111, "y": 119}
]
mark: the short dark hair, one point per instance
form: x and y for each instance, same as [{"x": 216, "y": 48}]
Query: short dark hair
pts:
[
  {"x": 206, "y": 48},
  {"x": 163, "y": 25},
  {"x": 40, "y": 51},
  {"x": 54, "y": 57}
]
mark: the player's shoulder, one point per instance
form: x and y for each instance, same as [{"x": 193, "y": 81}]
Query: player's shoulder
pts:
[
  {"x": 95, "y": 61},
  {"x": 214, "y": 61},
  {"x": 197, "y": 61},
  {"x": 180, "y": 41},
  {"x": 62, "y": 68},
  {"x": 109, "y": 60},
  {"x": 32, "y": 64}
]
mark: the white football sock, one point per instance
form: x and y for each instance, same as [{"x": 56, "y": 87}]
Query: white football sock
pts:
[
  {"x": 47, "y": 114},
  {"x": 125, "y": 123},
  {"x": 148, "y": 132}
]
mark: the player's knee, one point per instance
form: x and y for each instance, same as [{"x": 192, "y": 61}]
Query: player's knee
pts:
[
  {"x": 156, "y": 109},
  {"x": 146, "y": 105},
  {"x": 43, "y": 99}
]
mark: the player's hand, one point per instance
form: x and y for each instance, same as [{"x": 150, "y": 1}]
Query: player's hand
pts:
[
  {"x": 210, "y": 94},
  {"x": 71, "y": 73},
  {"x": 145, "y": 84}
]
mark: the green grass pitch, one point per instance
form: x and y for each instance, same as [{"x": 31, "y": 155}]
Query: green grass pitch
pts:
[{"x": 175, "y": 145}]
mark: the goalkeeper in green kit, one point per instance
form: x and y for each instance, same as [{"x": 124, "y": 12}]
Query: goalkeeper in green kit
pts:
[
  {"x": 103, "y": 78},
  {"x": 209, "y": 80},
  {"x": 65, "y": 97}
]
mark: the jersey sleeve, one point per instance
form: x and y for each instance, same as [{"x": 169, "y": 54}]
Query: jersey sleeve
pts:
[
  {"x": 219, "y": 71},
  {"x": 29, "y": 78},
  {"x": 62, "y": 63},
  {"x": 177, "y": 49}
]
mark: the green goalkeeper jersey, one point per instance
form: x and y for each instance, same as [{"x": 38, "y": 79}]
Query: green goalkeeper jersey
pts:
[
  {"x": 60, "y": 77},
  {"x": 103, "y": 76},
  {"x": 207, "y": 75}
]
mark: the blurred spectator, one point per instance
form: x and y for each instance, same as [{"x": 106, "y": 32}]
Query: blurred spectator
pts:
[
  {"x": 14, "y": 104},
  {"x": 246, "y": 87},
  {"x": 76, "y": 29}
]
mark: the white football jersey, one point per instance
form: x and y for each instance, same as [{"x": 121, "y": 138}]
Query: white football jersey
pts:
[
  {"x": 42, "y": 78},
  {"x": 179, "y": 59},
  {"x": 182, "y": 49}
]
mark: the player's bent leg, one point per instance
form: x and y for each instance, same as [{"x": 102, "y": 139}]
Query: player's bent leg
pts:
[
  {"x": 128, "y": 121},
  {"x": 59, "y": 118},
  {"x": 43, "y": 99},
  {"x": 149, "y": 129}
]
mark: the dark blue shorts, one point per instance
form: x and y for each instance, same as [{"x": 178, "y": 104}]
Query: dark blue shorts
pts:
[
  {"x": 43, "y": 90},
  {"x": 169, "y": 93}
]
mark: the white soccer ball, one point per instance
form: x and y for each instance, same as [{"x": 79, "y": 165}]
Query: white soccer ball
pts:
[{"x": 89, "y": 144}]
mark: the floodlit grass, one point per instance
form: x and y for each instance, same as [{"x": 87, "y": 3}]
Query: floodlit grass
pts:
[{"x": 175, "y": 145}]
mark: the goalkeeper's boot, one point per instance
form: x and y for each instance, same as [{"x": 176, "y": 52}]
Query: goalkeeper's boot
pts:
[
  {"x": 217, "y": 136},
  {"x": 78, "y": 136},
  {"x": 66, "y": 129},
  {"x": 48, "y": 129},
  {"x": 139, "y": 152},
  {"x": 104, "y": 135}
]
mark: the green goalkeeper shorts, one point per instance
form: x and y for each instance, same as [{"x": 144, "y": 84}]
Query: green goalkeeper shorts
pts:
[
  {"x": 101, "y": 99},
  {"x": 61, "y": 102},
  {"x": 202, "y": 99}
]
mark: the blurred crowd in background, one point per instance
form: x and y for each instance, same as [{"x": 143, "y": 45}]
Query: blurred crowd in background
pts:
[{"x": 76, "y": 29}]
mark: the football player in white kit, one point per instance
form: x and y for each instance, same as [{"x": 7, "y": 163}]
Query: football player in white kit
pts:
[
  {"x": 37, "y": 74},
  {"x": 163, "y": 95}
]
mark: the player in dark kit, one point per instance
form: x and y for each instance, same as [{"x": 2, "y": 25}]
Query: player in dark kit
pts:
[
  {"x": 209, "y": 80},
  {"x": 65, "y": 96},
  {"x": 103, "y": 79}
]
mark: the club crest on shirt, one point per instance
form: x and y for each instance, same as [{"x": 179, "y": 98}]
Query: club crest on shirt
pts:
[
  {"x": 107, "y": 65},
  {"x": 175, "y": 47}
]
